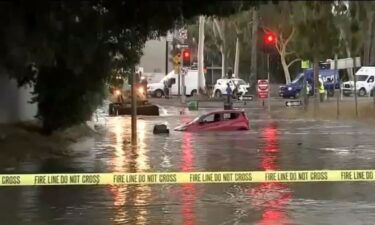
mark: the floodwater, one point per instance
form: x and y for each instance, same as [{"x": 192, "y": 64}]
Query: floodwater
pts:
[{"x": 270, "y": 144}]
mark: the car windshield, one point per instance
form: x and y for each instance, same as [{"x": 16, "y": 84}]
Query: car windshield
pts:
[
  {"x": 298, "y": 78},
  {"x": 362, "y": 77},
  {"x": 239, "y": 82}
]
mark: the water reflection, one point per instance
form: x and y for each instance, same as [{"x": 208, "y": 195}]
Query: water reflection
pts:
[
  {"x": 271, "y": 197},
  {"x": 188, "y": 190},
  {"x": 130, "y": 158}
]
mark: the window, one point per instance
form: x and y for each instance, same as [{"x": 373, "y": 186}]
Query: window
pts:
[
  {"x": 298, "y": 79},
  {"x": 211, "y": 118},
  {"x": 239, "y": 82},
  {"x": 230, "y": 116},
  {"x": 362, "y": 77}
]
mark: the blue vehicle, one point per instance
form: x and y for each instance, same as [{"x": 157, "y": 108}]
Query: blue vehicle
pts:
[{"x": 293, "y": 89}]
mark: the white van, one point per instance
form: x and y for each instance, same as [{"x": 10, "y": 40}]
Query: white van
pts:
[
  {"x": 365, "y": 82},
  {"x": 191, "y": 84}
]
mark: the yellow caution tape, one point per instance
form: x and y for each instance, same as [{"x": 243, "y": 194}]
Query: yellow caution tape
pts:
[{"x": 185, "y": 177}]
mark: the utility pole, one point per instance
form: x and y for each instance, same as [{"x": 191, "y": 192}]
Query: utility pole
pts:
[
  {"x": 133, "y": 109},
  {"x": 338, "y": 93},
  {"x": 316, "y": 86},
  {"x": 355, "y": 88},
  {"x": 269, "y": 42},
  {"x": 253, "y": 65},
  {"x": 200, "y": 54},
  {"x": 166, "y": 57}
]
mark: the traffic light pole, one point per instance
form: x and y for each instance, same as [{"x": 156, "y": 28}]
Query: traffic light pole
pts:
[
  {"x": 183, "y": 96},
  {"x": 133, "y": 111},
  {"x": 269, "y": 83}
]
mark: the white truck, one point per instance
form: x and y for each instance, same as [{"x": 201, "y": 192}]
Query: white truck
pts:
[
  {"x": 237, "y": 85},
  {"x": 191, "y": 84},
  {"x": 365, "y": 82}
]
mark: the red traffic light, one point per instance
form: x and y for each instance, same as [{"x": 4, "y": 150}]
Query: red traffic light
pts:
[
  {"x": 186, "y": 54},
  {"x": 270, "y": 38},
  {"x": 186, "y": 57}
]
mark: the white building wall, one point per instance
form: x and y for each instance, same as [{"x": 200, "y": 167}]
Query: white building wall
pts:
[{"x": 14, "y": 106}]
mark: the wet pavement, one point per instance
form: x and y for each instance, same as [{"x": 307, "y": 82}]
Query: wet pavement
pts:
[{"x": 270, "y": 144}]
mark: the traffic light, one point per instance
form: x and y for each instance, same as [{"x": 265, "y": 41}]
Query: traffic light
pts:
[
  {"x": 270, "y": 38},
  {"x": 186, "y": 57},
  {"x": 269, "y": 42}
]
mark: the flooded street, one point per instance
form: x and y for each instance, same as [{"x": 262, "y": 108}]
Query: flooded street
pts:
[{"x": 270, "y": 144}]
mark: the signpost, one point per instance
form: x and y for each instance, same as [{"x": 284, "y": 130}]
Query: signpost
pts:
[
  {"x": 179, "y": 46},
  {"x": 263, "y": 90},
  {"x": 182, "y": 34},
  {"x": 184, "y": 71},
  {"x": 246, "y": 98},
  {"x": 293, "y": 103}
]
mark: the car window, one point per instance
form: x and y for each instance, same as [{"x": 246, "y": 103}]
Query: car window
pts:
[
  {"x": 362, "y": 77},
  {"x": 211, "y": 118},
  {"x": 230, "y": 116},
  {"x": 239, "y": 82}
]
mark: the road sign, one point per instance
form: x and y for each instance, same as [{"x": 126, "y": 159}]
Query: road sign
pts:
[
  {"x": 262, "y": 88},
  {"x": 346, "y": 63},
  {"x": 305, "y": 64},
  {"x": 169, "y": 37},
  {"x": 293, "y": 103},
  {"x": 246, "y": 98},
  {"x": 182, "y": 46},
  {"x": 183, "y": 34}
]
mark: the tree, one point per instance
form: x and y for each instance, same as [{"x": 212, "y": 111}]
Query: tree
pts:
[
  {"x": 279, "y": 20},
  {"x": 317, "y": 35},
  {"x": 67, "y": 50}
]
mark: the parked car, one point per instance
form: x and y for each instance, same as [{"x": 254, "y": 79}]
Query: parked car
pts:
[
  {"x": 238, "y": 86},
  {"x": 226, "y": 120},
  {"x": 365, "y": 82}
]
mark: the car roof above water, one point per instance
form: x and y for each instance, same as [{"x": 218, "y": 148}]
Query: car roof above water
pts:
[{"x": 225, "y": 111}]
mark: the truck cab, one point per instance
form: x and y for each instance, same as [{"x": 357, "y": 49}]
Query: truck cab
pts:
[
  {"x": 365, "y": 82},
  {"x": 294, "y": 89}
]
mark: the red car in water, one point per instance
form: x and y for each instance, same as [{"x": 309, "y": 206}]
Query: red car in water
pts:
[{"x": 226, "y": 120}]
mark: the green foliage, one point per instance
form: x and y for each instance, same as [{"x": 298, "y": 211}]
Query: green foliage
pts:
[
  {"x": 68, "y": 50},
  {"x": 317, "y": 33}
]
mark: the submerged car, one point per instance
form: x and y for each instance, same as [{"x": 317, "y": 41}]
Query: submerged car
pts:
[{"x": 226, "y": 120}]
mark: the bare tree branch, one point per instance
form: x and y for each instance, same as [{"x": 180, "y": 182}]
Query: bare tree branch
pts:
[
  {"x": 290, "y": 36},
  {"x": 290, "y": 53},
  {"x": 293, "y": 61},
  {"x": 218, "y": 29}
]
